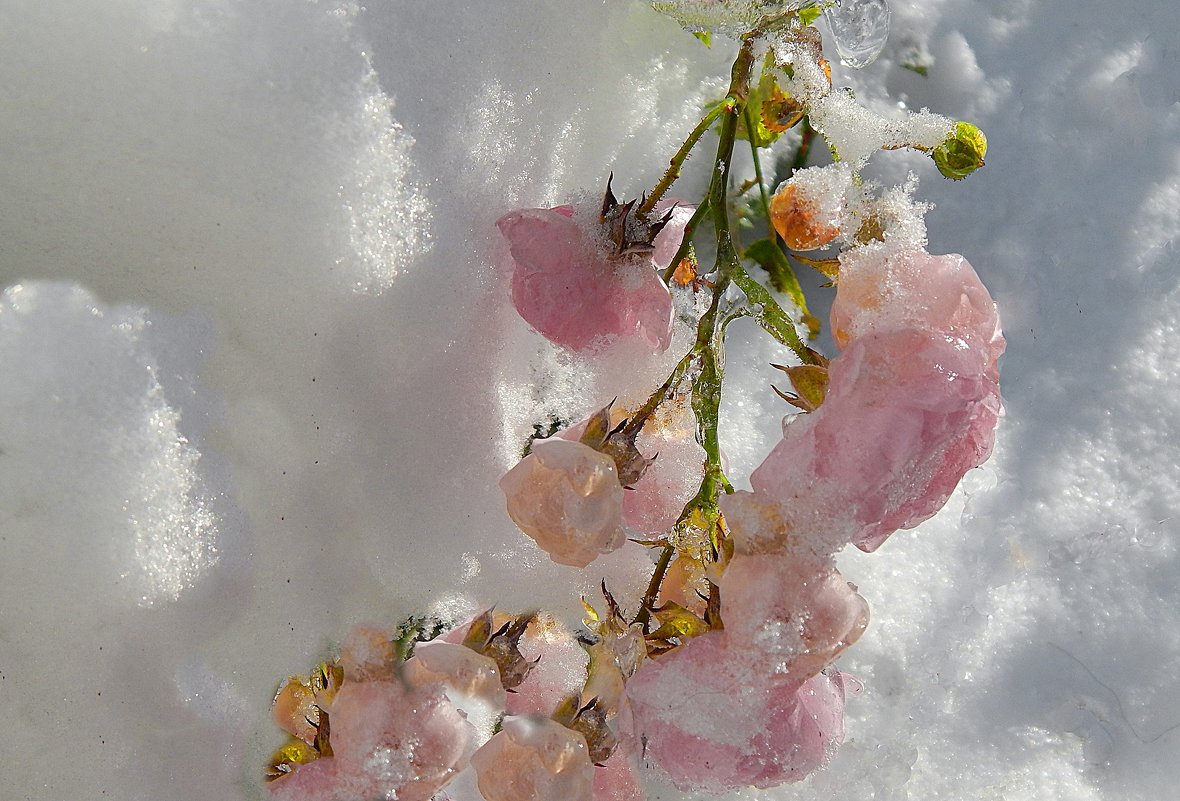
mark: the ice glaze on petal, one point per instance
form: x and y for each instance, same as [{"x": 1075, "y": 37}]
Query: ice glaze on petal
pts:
[
  {"x": 567, "y": 497},
  {"x": 535, "y": 759}
]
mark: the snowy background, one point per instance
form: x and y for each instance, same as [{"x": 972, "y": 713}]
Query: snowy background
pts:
[{"x": 258, "y": 377}]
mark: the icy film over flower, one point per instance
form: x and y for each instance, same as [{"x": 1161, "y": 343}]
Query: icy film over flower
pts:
[
  {"x": 912, "y": 402},
  {"x": 567, "y": 497},
  {"x": 720, "y": 674},
  {"x": 534, "y": 759},
  {"x": 587, "y": 281},
  {"x": 746, "y": 725}
]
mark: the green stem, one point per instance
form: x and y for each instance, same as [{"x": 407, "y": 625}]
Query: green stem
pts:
[
  {"x": 653, "y": 587},
  {"x": 706, "y": 350},
  {"x": 674, "y": 165},
  {"x": 771, "y": 316},
  {"x": 751, "y": 126},
  {"x": 706, "y": 389},
  {"x": 637, "y": 421}
]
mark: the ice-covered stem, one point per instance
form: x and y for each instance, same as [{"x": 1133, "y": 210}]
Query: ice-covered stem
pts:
[
  {"x": 751, "y": 125},
  {"x": 653, "y": 586},
  {"x": 729, "y": 108},
  {"x": 706, "y": 387},
  {"x": 771, "y": 316},
  {"x": 706, "y": 351},
  {"x": 637, "y": 421}
]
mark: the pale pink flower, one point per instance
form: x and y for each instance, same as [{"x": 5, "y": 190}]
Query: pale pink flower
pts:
[
  {"x": 534, "y": 759},
  {"x": 795, "y": 609},
  {"x": 709, "y": 719},
  {"x": 887, "y": 288},
  {"x": 389, "y": 740},
  {"x": 912, "y": 402},
  {"x": 459, "y": 669},
  {"x": 567, "y": 497},
  {"x": 569, "y": 285},
  {"x": 368, "y": 654},
  {"x": 653, "y": 504}
]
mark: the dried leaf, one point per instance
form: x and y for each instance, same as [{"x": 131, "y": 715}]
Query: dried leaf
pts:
[
  {"x": 503, "y": 648},
  {"x": 810, "y": 382},
  {"x": 685, "y": 273},
  {"x": 713, "y": 608},
  {"x": 829, "y": 267},
  {"x": 598, "y": 428},
  {"x": 780, "y": 112},
  {"x": 480, "y": 632},
  {"x": 591, "y": 722},
  {"x": 676, "y": 622},
  {"x": 288, "y": 758}
]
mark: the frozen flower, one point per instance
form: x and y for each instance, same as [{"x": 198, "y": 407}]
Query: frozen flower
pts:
[
  {"x": 912, "y": 402},
  {"x": 389, "y": 740},
  {"x": 585, "y": 285},
  {"x": 534, "y": 759},
  {"x": 567, "y": 497},
  {"x": 794, "y": 608},
  {"x": 807, "y": 211},
  {"x": 457, "y": 668},
  {"x": 711, "y": 720}
]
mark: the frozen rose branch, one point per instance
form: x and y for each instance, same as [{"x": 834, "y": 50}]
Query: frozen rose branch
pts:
[{"x": 721, "y": 675}]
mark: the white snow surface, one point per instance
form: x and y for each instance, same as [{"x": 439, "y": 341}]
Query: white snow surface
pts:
[{"x": 259, "y": 376}]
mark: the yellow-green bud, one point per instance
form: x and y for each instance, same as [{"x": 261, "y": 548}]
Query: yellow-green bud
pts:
[{"x": 962, "y": 153}]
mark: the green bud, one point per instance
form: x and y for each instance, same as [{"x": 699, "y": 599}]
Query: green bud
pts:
[{"x": 962, "y": 153}]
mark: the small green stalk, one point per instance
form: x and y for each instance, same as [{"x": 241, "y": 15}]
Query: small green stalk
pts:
[{"x": 677, "y": 162}]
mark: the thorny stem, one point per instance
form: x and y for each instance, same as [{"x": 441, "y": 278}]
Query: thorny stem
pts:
[
  {"x": 706, "y": 350},
  {"x": 677, "y": 161},
  {"x": 637, "y": 421},
  {"x": 653, "y": 587}
]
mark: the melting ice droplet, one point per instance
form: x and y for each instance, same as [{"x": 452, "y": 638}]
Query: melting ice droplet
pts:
[{"x": 859, "y": 30}]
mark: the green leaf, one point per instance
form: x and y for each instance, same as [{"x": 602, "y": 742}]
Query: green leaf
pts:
[
  {"x": 810, "y": 14},
  {"x": 771, "y": 316},
  {"x": 704, "y": 36},
  {"x": 768, "y": 254}
]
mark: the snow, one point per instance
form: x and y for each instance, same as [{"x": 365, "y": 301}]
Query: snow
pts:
[{"x": 260, "y": 377}]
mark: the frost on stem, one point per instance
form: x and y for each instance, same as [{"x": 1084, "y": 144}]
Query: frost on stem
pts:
[{"x": 730, "y": 17}]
